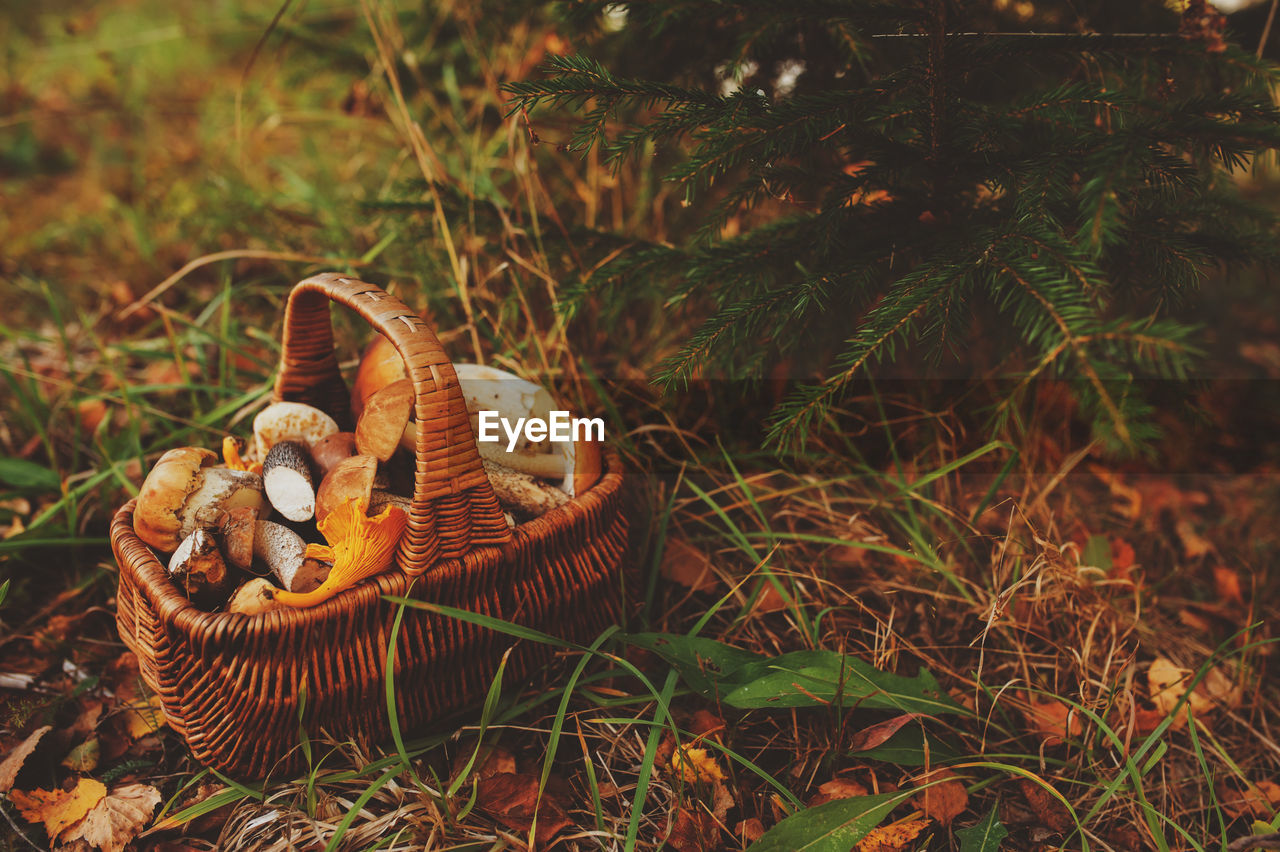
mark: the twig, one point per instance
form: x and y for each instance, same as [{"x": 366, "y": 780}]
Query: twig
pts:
[
  {"x": 1256, "y": 841},
  {"x": 1266, "y": 28}
]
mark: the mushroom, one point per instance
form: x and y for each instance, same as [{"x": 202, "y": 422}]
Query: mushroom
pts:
[
  {"x": 254, "y": 597},
  {"x": 286, "y": 475},
  {"x": 198, "y": 569},
  {"x": 285, "y": 553},
  {"x": 290, "y": 421},
  {"x": 380, "y": 499},
  {"x": 237, "y": 528},
  {"x": 575, "y": 465},
  {"x": 331, "y": 449},
  {"x": 184, "y": 491},
  {"x": 351, "y": 479},
  {"x": 380, "y": 365},
  {"x": 232, "y": 455},
  {"x": 383, "y": 421},
  {"x": 359, "y": 547},
  {"x": 521, "y": 493}
]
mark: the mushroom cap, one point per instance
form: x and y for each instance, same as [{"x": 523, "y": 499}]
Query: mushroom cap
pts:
[
  {"x": 290, "y": 421},
  {"x": 383, "y": 421},
  {"x": 350, "y": 479},
  {"x": 156, "y": 518},
  {"x": 380, "y": 365}
]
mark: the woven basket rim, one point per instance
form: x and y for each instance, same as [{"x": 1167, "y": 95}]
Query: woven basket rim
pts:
[{"x": 134, "y": 556}]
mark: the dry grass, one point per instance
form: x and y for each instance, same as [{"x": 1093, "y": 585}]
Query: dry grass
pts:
[{"x": 1012, "y": 586}]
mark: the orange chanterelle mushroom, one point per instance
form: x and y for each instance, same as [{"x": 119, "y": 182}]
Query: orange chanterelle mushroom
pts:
[{"x": 359, "y": 547}]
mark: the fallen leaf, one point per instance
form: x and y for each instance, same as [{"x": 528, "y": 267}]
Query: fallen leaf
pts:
[
  {"x": 1226, "y": 582},
  {"x": 145, "y": 719},
  {"x": 59, "y": 809},
  {"x": 55, "y": 631},
  {"x": 1051, "y": 813},
  {"x": 1194, "y": 545},
  {"x": 694, "y": 765},
  {"x": 837, "y": 788},
  {"x": 1052, "y": 719},
  {"x": 749, "y": 830},
  {"x": 769, "y": 600},
  {"x": 91, "y": 412},
  {"x": 1253, "y": 801},
  {"x": 878, "y": 734},
  {"x": 1129, "y": 498},
  {"x": 84, "y": 757},
  {"x": 692, "y": 831},
  {"x": 1122, "y": 557},
  {"x": 687, "y": 565},
  {"x": 1167, "y": 684},
  {"x": 118, "y": 818},
  {"x": 13, "y": 761},
  {"x": 721, "y": 801},
  {"x": 705, "y": 723},
  {"x": 512, "y": 799},
  {"x": 895, "y": 836},
  {"x": 943, "y": 802},
  {"x": 490, "y": 760}
]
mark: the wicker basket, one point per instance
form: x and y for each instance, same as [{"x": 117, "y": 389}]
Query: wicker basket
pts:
[{"x": 231, "y": 684}]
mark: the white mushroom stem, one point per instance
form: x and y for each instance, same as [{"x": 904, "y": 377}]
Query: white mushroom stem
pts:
[{"x": 282, "y": 550}]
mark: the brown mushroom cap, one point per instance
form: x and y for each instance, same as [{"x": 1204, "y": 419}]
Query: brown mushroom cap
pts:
[
  {"x": 331, "y": 449},
  {"x": 156, "y": 518},
  {"x": 350, "y": 479},
  {"x": 383, "y": 421},
  {"x": 380, "y": 365}
]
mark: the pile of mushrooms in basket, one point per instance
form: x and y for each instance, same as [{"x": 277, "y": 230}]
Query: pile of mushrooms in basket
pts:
[{"x": 307, "y": 510}]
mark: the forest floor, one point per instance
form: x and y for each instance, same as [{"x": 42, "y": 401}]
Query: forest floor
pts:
[{"x": 1098, "y": 628}]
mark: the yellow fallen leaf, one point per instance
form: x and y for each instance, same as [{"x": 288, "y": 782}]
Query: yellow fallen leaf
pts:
[
  {"x": 59, "y": 809},
  {"x": 1167, "y": 683},
  {"x": 118, "y": 818},
  {"x": 145, "y": 719},
  {"x": 895, "y": 836},
  {"x": 694, "y": 764}
]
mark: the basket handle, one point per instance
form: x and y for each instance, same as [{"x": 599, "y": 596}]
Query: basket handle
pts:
[{"x": 454, "y": 508}]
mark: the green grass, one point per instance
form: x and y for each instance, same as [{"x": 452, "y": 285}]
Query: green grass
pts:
[{"x": 143, "y": 142}]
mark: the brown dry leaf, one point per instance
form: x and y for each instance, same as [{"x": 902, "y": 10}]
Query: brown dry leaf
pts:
[
  {"x": 1051, "y": 813},
  {"x": 878, "y": 734},
  {"x": 749, "y": 830},
  {"x": 1122, "y": 557},
  {"x": 1194, "y": 545},
  {"x": 59, "y": 809},
  {"x": 943, "y": 802},
  {"x": 1051, "y": 719},
  {"x": 145, "y": 719},
  {"x": 118, "y": 818},
  {"x": 1167, "y": 683},
  {"x": 769, "y": 600},
  {"x": 687, "y": 565},
  {"x": 837, "y": 788},
  {"x": 512, "y": 798},
  {"x": 1253, "y": 802},
  {"x": 694, "y": 765},
  {"x": 1226, "y": 582},
  {"x": 55, "y": 631},
  {"x": 895, "y": 836},
  {"x": 491, "y": 760},
  {"x": 1129, "y": 499},
  {"x": 721, "y": 801},
  {"x": 704, "y": 723},
  {"x": 693, "y": 831},
  {"x": 13, "y": 761},
  {"x": 91, "y": 413}
]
